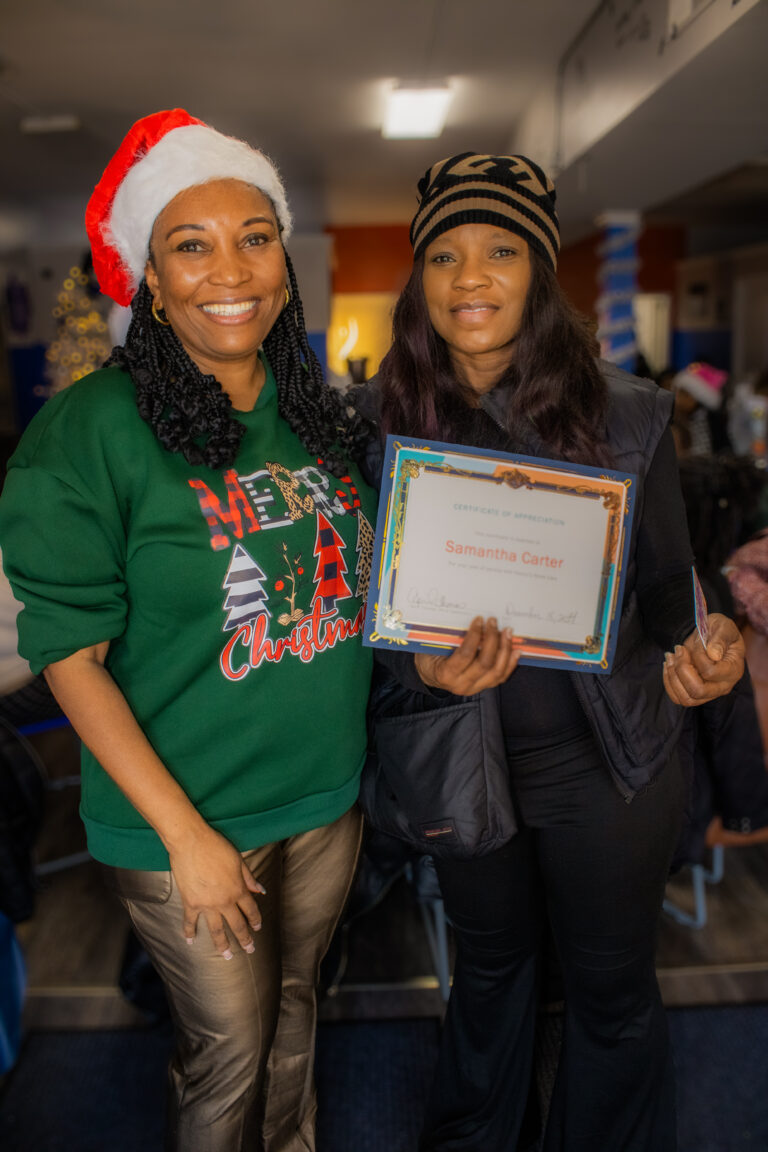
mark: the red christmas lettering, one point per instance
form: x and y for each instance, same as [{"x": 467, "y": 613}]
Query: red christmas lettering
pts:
[{"x": 232, "y": 516}]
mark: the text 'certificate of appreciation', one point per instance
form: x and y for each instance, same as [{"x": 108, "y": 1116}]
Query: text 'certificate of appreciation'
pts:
[{"x": 539, "y": 544}]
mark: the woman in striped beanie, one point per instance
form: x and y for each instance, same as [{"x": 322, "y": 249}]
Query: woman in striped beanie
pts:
[{"x": 487, "y": 352}]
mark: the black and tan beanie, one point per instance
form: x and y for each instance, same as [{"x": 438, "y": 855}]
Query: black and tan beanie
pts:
[{"x": 509, "y": 191}]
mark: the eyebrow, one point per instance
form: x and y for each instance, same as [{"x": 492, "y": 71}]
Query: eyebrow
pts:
[{"x": 201, "y": 227}]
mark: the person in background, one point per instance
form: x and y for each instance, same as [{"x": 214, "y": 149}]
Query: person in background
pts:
[
  {"x": 183, "y": 527},
  {"x": 748, "y": 417},
  {"x": 698, "y": 422},
  {"x": 642, "y": 367},
  {"x": 746, "y": 570},
  {"x": 665, "y": 378},
  {"x": 487, "y": 352}
]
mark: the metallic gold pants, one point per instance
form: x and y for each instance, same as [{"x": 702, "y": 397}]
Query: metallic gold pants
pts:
[{"x": 241, "y": 1078}]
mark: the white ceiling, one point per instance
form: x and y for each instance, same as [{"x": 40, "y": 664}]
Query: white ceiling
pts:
[{"x": 304, "y": 80}]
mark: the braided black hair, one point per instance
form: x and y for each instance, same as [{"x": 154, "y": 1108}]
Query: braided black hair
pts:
[{"x": 191, "y": 413}]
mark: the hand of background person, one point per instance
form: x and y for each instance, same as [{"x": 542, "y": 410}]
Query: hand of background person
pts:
[
  {"x": 693, "y": 675},
  {"x": 485, "y": 658},
  {"x": 215, "y": 882}
]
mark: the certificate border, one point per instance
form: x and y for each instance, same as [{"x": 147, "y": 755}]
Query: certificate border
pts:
[{"x": 596, "y": 654}]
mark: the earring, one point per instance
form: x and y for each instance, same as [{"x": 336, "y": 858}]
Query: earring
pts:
[
  {"x": 160, "y": 316},
  {"x": 287, "y": 297}
]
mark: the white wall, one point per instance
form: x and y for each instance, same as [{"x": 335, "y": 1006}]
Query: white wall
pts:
[
  {"x": 707, "y": 119},
  {"x": 630, "y": 51},
  {"x": 749, "y": 269},
  {"x": 311, "y": 257},
  {"x": 627, "y": 51}
]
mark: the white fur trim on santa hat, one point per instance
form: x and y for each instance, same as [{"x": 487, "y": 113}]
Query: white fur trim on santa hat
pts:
[{"x": 185, "y": 157}]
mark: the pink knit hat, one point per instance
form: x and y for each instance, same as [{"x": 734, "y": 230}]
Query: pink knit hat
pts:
[{"x": 704, "y": 383}]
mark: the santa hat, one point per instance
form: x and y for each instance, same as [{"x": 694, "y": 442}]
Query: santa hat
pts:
[
  {"x": 703, "y": 382},
  {"x": 162, "y": 155}
]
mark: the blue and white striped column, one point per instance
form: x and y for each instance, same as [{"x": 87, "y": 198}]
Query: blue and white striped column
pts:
[{"x": 618, "y": 287}]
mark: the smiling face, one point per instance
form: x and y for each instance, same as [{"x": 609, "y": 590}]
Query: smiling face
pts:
[
  {"x": 217, "y": 269},
  {"x": 475, "y": 283}
]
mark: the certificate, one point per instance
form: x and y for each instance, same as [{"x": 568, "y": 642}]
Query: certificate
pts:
[{"x": 464, "y": 532}]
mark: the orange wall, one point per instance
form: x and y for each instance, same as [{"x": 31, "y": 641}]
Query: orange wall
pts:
[
  {"x": 577, "y": 268},
  {"x": 374, "y": 258},
  {"x": 659, "y": 249}
]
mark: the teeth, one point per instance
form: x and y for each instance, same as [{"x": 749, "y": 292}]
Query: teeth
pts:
[{"x": 229, "y": 309}]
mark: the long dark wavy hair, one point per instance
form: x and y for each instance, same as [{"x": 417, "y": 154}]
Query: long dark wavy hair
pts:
[
  {"x": 553, "y": 386},
  {"x": 191, "y": 413}
]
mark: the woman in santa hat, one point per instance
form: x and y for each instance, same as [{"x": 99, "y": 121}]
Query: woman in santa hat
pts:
[{"x": 190, "y": 538}]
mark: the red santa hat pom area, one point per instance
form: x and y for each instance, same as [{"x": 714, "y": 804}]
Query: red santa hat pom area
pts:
[
  {"x": 704, "y": 383},
  {"x": 162, "y": 155}
]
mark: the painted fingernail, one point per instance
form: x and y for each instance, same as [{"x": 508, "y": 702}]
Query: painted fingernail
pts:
[
  {"x": 190, "y": 940},
  {"x": 227, "y": 954},
  {"x": 256, "y": 927},
  {"x": 250, "y": 947},
  {"x": 261, "y": 888}
]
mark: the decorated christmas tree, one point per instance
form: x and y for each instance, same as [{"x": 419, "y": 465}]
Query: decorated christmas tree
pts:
[
  {"x": 246, "y": 597},
  {"x": 82, "y": 342},
  {"x": 330, "y": 584}
]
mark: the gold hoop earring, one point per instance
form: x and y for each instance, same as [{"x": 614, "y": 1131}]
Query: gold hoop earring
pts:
[
  {"x": 160, "y": 319},
  {"x": 287, "y": 298}
]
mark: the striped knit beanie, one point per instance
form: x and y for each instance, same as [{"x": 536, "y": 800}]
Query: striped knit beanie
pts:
[{"x": 509, "y": 191}]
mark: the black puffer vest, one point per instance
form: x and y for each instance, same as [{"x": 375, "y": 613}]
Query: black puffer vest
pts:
[
  {"x": 633, "y": 719},
  {"x": 635, "y": 722}
]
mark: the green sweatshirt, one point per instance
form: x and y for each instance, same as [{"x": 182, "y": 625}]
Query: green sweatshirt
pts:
[{"x": 232, "y": 601}]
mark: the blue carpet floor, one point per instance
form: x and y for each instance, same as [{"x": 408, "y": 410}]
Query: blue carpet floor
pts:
[
  {"x": 721, "y": 1056},
  {"x": 103, "y": 1091}
]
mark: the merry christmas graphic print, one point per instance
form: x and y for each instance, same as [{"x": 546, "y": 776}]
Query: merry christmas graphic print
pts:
[{"x": 302, "y": 593}]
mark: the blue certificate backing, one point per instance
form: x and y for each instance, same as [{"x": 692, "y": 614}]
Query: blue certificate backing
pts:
[{"x": 385, "y": 628}]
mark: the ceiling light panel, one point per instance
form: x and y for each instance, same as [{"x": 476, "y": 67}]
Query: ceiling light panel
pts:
[{"x": 416, "y": 113}]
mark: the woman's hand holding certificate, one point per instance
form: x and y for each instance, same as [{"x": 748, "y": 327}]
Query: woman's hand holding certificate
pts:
[{"x": 486, "y": 657}]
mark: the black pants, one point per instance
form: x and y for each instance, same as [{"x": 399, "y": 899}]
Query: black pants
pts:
[{"x": 597, "y": 866}]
